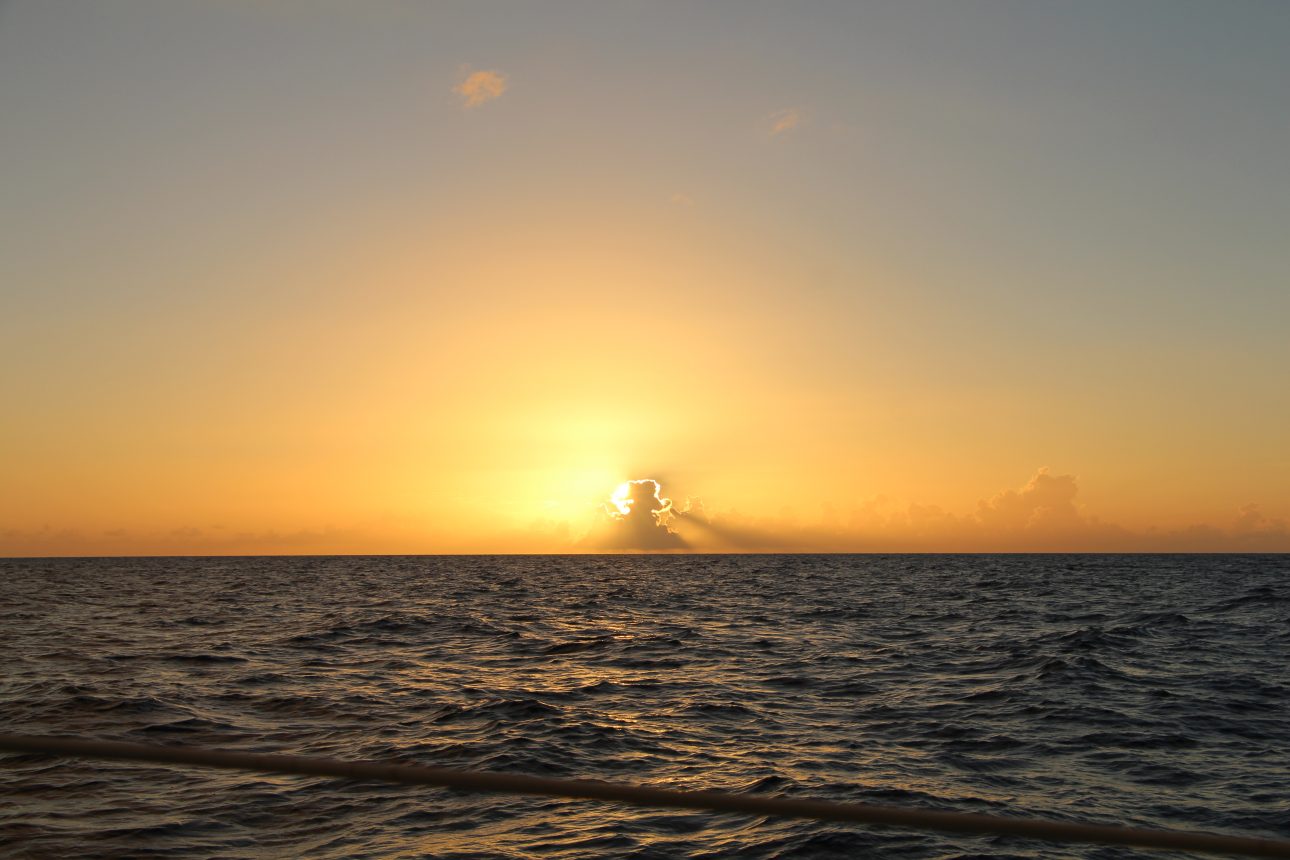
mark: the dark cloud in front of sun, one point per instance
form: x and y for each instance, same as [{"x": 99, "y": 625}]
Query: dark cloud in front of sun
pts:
[{"x": 636, "y": 517}]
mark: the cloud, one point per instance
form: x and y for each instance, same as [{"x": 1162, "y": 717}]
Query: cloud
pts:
[
  {"x": 479, "y": 87},
  {"x": 360, "y": 538},
  {"x": 1251, "y": 521},
  {"x": 784, "y": 120},
  {"x": 1047, "y": 503},
  {"x": 637, "y": 517},
  {"x": 1042, "y": 515}
]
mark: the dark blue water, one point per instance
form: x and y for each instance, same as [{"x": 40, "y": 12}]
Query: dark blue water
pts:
[{"x": 1147, "y": 690}]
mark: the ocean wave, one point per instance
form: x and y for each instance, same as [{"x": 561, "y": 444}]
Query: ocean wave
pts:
[{"x": 1103, "y": 688}]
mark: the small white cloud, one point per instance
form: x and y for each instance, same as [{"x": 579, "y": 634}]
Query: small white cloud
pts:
[
  {"x": 784, "y": 120},
  {"x": 478, "y": 87}
]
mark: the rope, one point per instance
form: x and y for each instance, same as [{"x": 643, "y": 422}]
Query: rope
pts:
[{"x": 712, "y": 801}]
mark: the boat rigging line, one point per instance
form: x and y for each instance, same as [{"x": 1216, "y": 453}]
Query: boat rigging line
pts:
[{"x": 635, "y": 795}]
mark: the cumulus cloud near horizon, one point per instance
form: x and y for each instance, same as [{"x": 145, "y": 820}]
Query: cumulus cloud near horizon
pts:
[
  {"x": 478, "y": 87},
  {"x": 637, "y": 517}
]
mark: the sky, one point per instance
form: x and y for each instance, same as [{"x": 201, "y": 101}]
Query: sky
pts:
[{"x": 313, "y": 277}]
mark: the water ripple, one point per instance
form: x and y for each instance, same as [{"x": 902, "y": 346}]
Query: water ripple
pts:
[{"x": 1138, "y": 689}]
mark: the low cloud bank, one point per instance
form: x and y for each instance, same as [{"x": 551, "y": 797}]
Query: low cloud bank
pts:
[{"x": 1044, "y": 515}]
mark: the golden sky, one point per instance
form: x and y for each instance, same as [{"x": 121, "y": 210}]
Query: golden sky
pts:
[{"x": 306, "y": 278}]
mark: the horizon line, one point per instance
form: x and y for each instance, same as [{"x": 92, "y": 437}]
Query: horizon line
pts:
[{"x": 639, "y": 553}]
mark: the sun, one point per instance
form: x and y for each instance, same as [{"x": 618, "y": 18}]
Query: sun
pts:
[{"x": 622, "y": 498}]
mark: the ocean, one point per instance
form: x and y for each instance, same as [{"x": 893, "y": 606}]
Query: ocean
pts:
[{"x": 1143, "y": 690}]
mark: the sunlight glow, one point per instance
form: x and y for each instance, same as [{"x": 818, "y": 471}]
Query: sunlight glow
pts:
[{"x": 622, "y": 498}]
